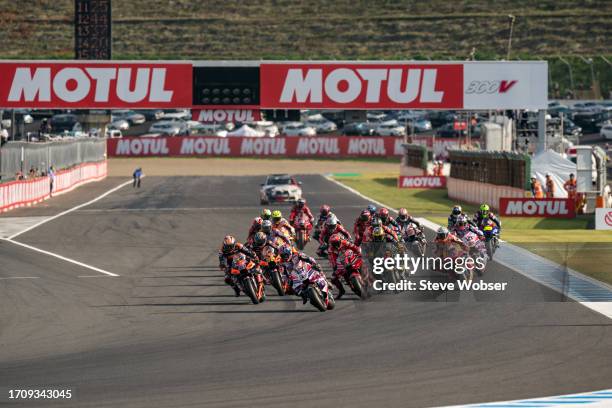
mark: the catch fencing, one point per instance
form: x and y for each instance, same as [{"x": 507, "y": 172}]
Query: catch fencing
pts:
[{"x": 18, "y": 157}]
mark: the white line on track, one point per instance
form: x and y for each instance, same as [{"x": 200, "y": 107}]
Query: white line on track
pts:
[
  {"x": 68, "y": 211},
  {"x": 63, "y": 258},
  {"x": 20, "y": 277},
  {"x": 38, "y": 224},
  {"x": 179, "y": 209},
  {"x": 604, "y": 308}
]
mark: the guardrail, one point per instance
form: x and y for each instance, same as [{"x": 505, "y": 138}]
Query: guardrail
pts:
[{"x": 21, "y": 193}]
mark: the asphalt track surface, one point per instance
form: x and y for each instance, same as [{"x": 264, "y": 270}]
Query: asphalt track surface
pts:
[{"x": 169, "y": 333}]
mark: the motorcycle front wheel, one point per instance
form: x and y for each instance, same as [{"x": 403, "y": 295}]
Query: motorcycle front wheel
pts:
[
  {"x": 248, "y": 284},
  {"x": 314, "y": 294}
]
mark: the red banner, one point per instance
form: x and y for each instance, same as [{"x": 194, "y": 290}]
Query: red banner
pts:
[
  {"x": 226, "y": 115},
  {"x": 329, "y": 146},
  {"x": 421, "y": 182},
  {"x": 96, "y": 85},
  {"x": 361, "y": 86},
  {"x": 540, "y": 207}
]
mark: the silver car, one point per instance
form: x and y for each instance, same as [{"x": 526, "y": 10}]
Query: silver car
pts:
[{"x": 280, "y": 188}]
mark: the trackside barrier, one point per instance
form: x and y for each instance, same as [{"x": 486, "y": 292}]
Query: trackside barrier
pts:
[
  {"x": 29, "y": 192},
  {"x": 238, "y": 146},
  {"x": 475, "y": 192}
]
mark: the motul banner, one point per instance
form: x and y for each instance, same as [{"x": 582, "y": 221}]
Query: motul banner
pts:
[
  {"x": 226, "y": 115},
  {"x": 95, "y": 84},
  {"x": 405, "y": 85},
  {"x": 331, "y": 146},
  {"x": 421, "y": 182},
  {"x": 540, "y": 207}
]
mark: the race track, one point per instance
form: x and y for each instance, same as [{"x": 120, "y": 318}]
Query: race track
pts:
[{"x": 168, "y": 333}]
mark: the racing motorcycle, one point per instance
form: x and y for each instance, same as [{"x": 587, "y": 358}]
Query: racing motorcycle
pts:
[
  {"x": 415, "y": 240},
  {"x": 301, "y": 225},
  {"x": 270, "y": 265},
  {"x": 316, "y": 288},
  {"x": 491, "y": 234},
  {"x": 476, "y": 249},
  {"x": 247, "y": 276},
  {"x": 383, "y": 250},
  {"x": 349, "y": 268},
  {"x": 454, "y": 251}
]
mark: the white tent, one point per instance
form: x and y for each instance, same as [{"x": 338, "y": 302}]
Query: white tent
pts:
[
  {"x": 559, "y": 168},
  {"x": 246, "y": 131}
]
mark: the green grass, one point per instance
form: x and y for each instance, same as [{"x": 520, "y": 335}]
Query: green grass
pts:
[{"x": 565, "y": 241}]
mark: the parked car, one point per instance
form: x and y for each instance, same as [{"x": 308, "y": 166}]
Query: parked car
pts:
[
  {"x": 570, "y": 128},
  {"x": 591, "y": 122},
  {"x": 357, "y": 129},
  {"x": 177, "y": 114},
  {"x": 151, "y": 114},
  {"x": 120, "y": 124},
  {"x": 390, "y": 128},
  {"x": 64, "y": 123},
  {"x": 130, "y": 116},
  {"x": 267, "y": 127},
  {"x": 606, "y": 132},
  {"x": 321, "y": 124},
  {"x": 169, "y": 128},
  {"x": 419, "y": 124},
  {"x": 206, "y": 129},
  {"x": 298, "y": 129},
  {"x": 448, "y": 130},
  {"x": 439, "y": 118}
]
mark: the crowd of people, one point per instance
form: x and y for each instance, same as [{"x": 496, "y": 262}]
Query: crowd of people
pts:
[
  {"x": 549, "y": 190},
  {"x": 272, "y": 231}
]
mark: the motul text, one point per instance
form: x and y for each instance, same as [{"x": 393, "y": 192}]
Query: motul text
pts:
[
  {"x": 421, "y": 182},
  {"x": 361, "y": 86},
  {"x": 95, "y": 85},
  {"x": 530, "y": 207}
]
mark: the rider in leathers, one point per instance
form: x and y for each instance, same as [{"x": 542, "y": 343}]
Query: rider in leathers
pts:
[
  {"x": 324, "y": 212},
  {"x": 228, "y": 250},
  {"x": 273, "y": 234},
  {"x": 337, "y": 247},
  {"x": 300, "y": 207},
  {"x": 333, "y": 226},
  {"x": 292, "y": 263},
  {"x": 255, "y": 227},
  {"x": 361, "y": 225}
]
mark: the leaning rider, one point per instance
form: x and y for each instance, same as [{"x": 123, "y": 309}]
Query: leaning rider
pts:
[
  {"x": 280, "y": 223},
  {"x": 485, "y": 214},
  {"x": 292, "y": 263},
  {"x": 337, "y": 246},
  {"x": 229, "y": 249}
]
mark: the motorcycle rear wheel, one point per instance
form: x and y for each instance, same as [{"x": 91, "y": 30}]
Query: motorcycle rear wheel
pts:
[
  {"x": 357, "y": 286},
  {"x": 277, "y": 282}
]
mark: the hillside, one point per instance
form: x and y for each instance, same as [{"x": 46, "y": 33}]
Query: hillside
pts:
[{"x": 383, "y": 29}]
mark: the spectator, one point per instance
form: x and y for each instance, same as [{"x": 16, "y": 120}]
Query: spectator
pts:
[
  {"x": 536, "y": 188},
  {"x": 550, "y": 186},
  {"x": 51, "y": 180},
  {"x": 570, "y": 187},
  {"x": 32, "y": 173},
  {"x": 137, "y": 176}
]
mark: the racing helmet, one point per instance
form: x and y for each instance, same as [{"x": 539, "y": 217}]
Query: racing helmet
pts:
[
  {"x": 364, "y": 216},
  {"x": 266, "y": 214},
  {"x": 324, "y": 210},
  {"x": 257, "y": 221},
  {"x": 403, "y": 214},
  {"x": 378, "y": 234},
  {"x": 457, "y": 210},
  {"x": 229, "y": 243},
  {"x": 484, "y": 209},
  {"x": 332, "y": 220},
  {"x": 462, "y": 222},
  {"x": 442, "y": 233},
  {"x": 276, "y": 216},
  {"x": 300, "y": 202},
  {"x": 375, "y": 222},
  {"x": 285, "y": 252},
  {"x": 259, "y": 239},
  {"x": 372, "y": 209},
  {"x": 266, "y": 226},
  {"x": 383, "y": 213}
]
